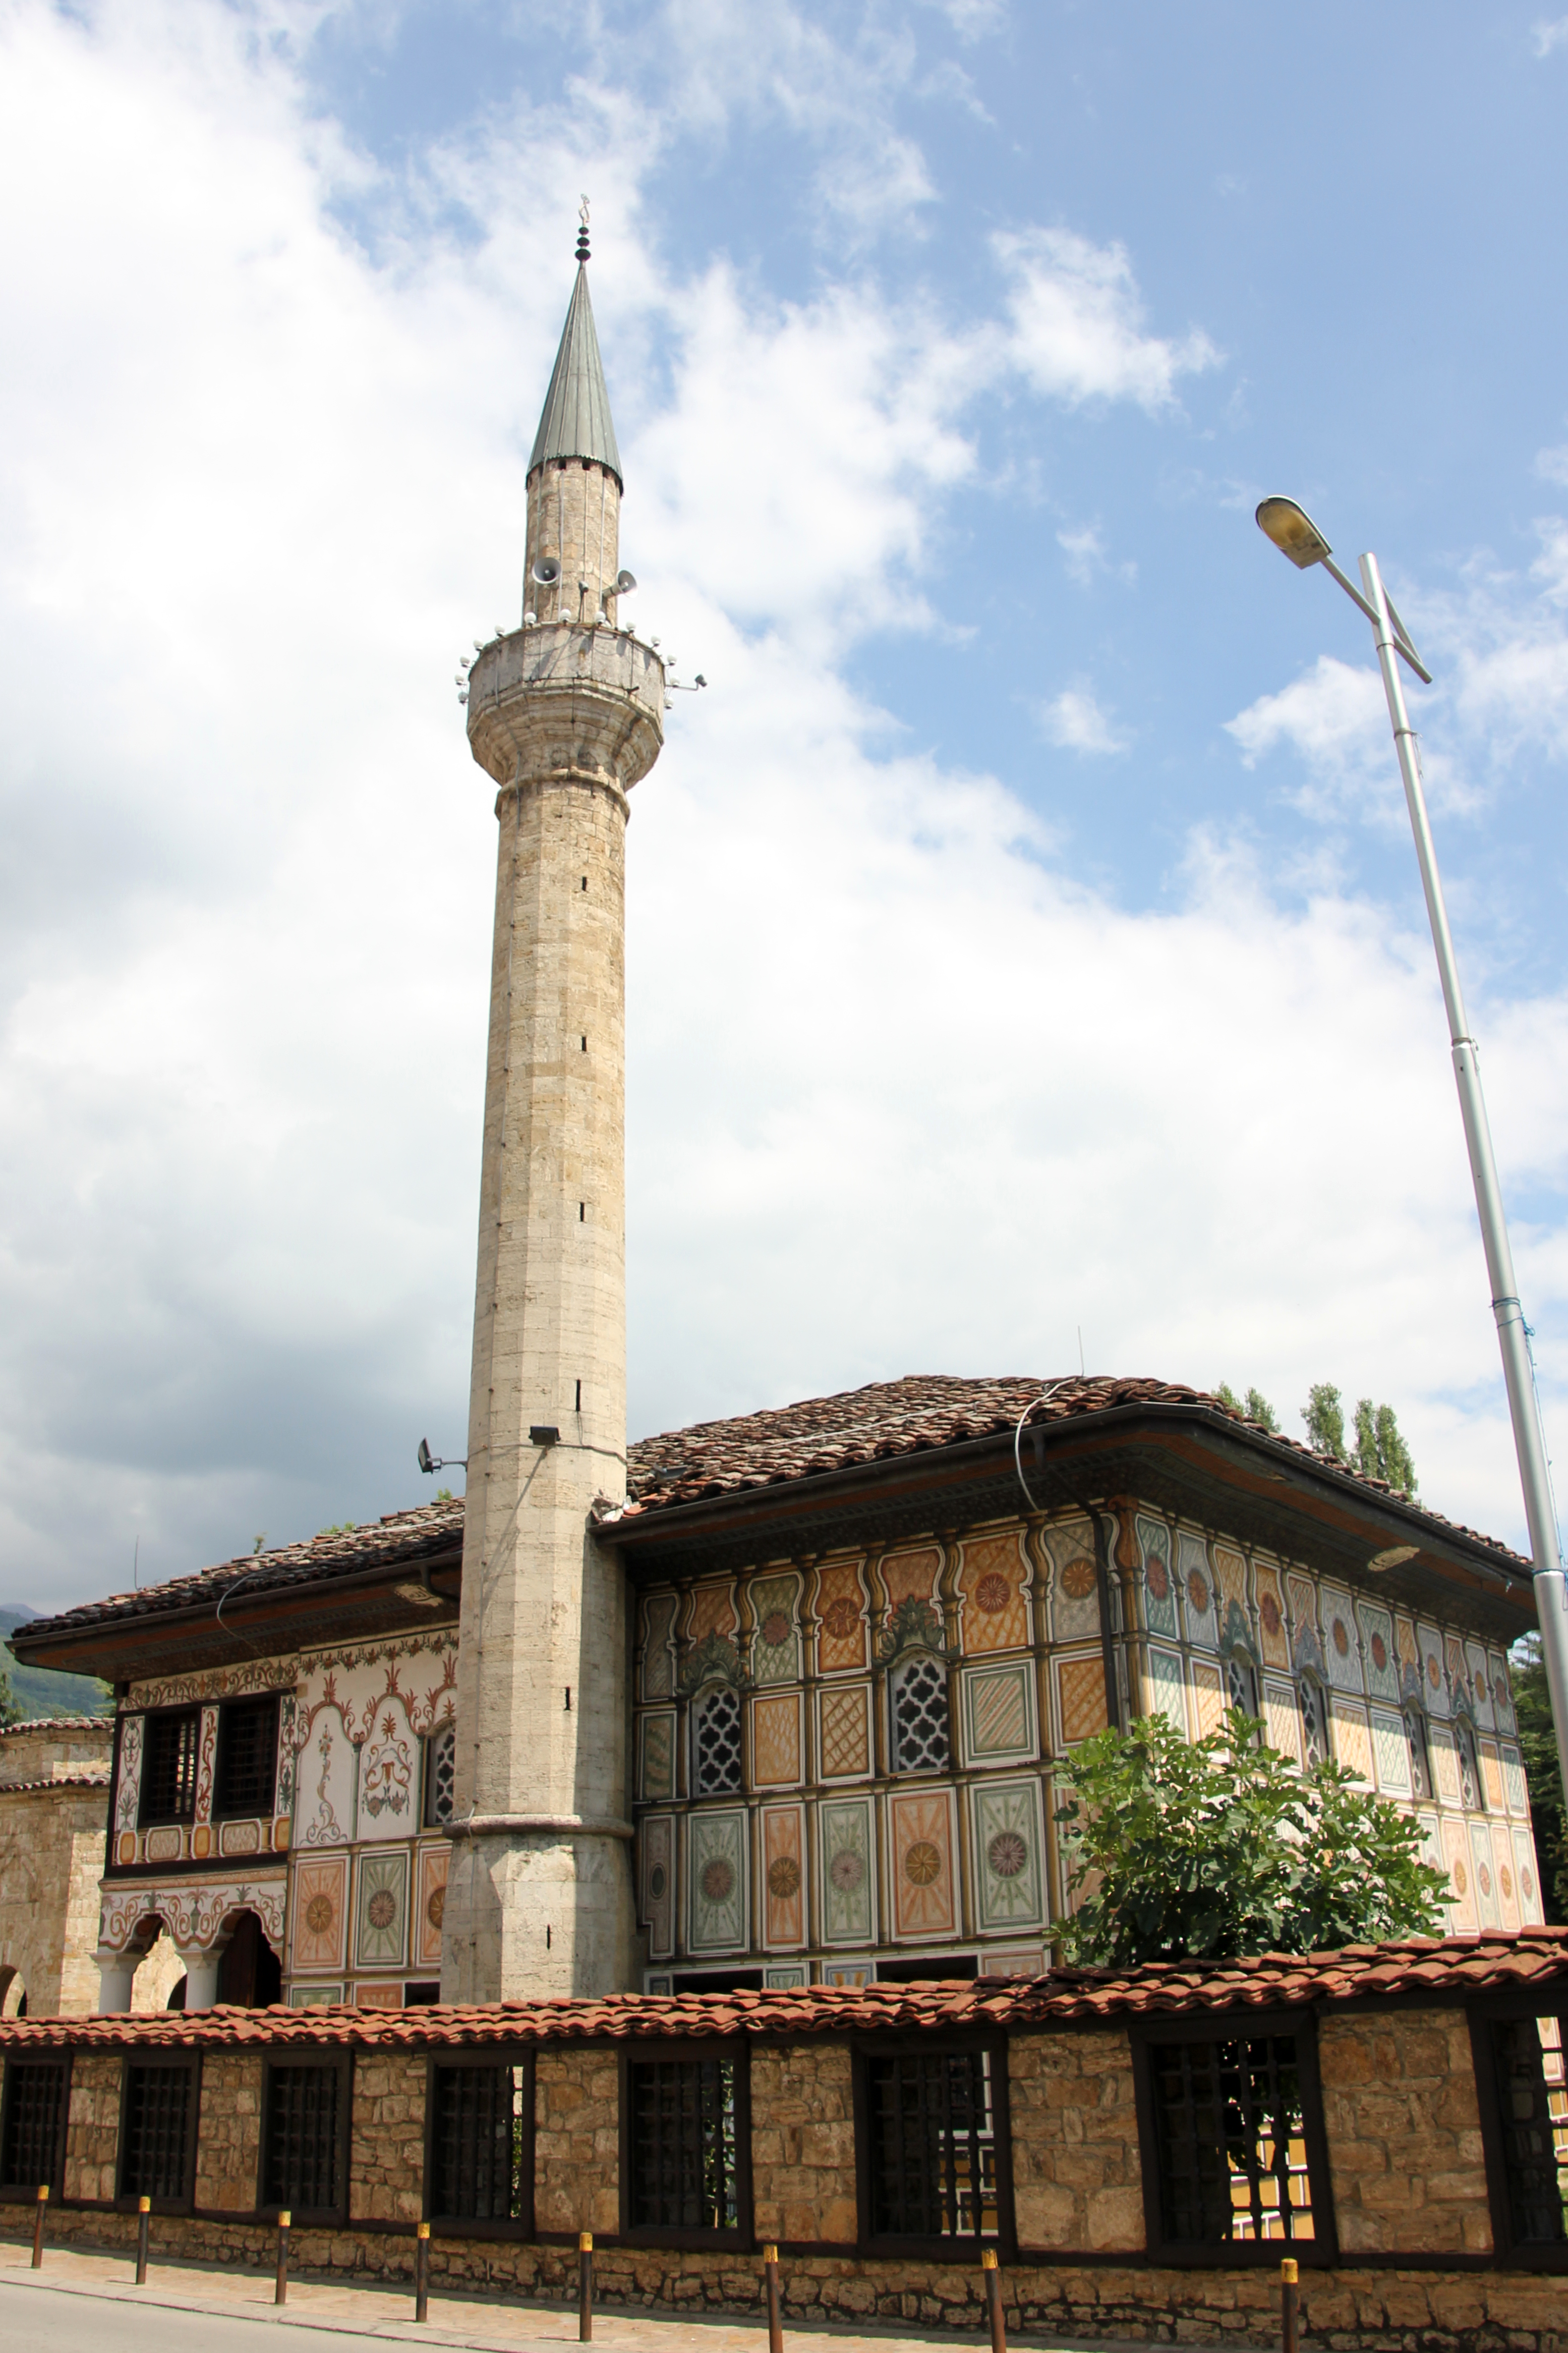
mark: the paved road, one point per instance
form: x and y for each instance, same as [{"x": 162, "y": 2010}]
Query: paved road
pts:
[{"x": 38, "y": 2317}]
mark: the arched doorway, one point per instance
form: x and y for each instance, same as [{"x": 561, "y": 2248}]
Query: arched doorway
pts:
[
  {"x": 250, "y": 1972},
  {"x": 13, "y": 1993}
]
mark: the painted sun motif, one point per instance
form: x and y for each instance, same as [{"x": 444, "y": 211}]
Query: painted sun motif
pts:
[
  {"x": 718, "y": 1879},
  {"x": 847, "y": 1870},
  {"x": 841, "y": 1618},
  {"x": 435, "y": 1906},
  {"x": 1006, "y": 1854},
  {"x": 381, "y": 1909},
  {"x": 1269, "y": 1610},
  {"x": 320, "y": 1913},
  {"x": 1198, "y": 1592},
  {"x": 1379, "y": 1652},
  {"x": 993, "y": 1594},
  {"x": 1340, "y": 1632},
  {"x": 776, "y": 1630},
  {"x": 1159, "y": 1578},
  {"x": 1078, "y": 1579},
  {"x": 658, "y": 1880},
  {"x": 922, "y": 1863},
  {"x": 784, "y": 1878}
]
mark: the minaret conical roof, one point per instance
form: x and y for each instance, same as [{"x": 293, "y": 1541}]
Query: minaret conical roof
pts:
[{"x": 575, "y": 422}]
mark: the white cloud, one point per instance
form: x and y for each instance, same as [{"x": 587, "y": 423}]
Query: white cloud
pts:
[
  {"x": 1548, "y": 35},
  {"x": 1333, "y": 716},
  {"x": 1552, "y": 465},
  {"x": 1077, "y": 323},
  {"x": 1084, "y": 548},
  {"x": 1075, "y": 722}
]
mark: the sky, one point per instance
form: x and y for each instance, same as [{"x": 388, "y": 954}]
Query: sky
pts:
[{"x": 1027, "y": 963}]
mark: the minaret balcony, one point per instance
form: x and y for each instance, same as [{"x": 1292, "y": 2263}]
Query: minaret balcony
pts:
[{"x": 558, "y": 700}]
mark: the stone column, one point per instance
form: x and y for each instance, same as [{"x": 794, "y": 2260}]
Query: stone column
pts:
[
  {"x": 540, "y": 1901},
  {"x": 115, "y": 1972}
]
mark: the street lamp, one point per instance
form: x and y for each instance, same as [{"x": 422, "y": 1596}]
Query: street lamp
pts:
[{"x": 1296, "y": 535}]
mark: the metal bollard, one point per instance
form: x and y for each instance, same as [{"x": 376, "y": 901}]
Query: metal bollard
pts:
[
  {"x": 143, "y": 2207},
  {"x": 422, "y": 2273},
  {"x": 993, "y": 2279},
  {"x": 39, "y": 2214},
  {"x": 1289, "y": 2306},
  {"x": 775, "y": 2317},
  {"x": 281, "y": 2290},
  {"x": 585, "y": 2288}
]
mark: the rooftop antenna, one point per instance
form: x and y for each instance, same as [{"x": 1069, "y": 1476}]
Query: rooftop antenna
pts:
[{"x": 428, "y": 1461}]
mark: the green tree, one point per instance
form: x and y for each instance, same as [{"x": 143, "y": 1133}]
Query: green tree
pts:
[
  {"x": 1253, "y": 1407},
  {"x": 9, "y": 1711},
  {"x": 1380, "y": 1452},
  {"x": 1206, "y": 1850},
  {"x": 1538, "y": 1745},
  {"x": 1324, "y": 1416}
]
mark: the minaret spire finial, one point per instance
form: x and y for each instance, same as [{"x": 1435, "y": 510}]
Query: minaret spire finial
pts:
[{"x": 582, "y": 232}]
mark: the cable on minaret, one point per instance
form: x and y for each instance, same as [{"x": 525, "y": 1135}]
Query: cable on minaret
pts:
[{"x": 582, "y": 232}]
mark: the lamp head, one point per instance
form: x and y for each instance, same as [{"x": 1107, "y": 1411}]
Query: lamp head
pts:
[{"x": 1293, "y": 532}]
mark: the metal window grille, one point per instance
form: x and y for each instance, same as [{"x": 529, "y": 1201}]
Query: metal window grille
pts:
[
  {"x": 1241, "y": 1685},
  {"x": 1314, "y": 1729},
  {"x": 34, "y": 2135},
  {"x": 477, "y": 2157},
  {"x": 718, "y": 1742},
  {"x": 1469, "y": 1778},
  {"x": 302, "y": 2167},
  {"x": 920, "y": 1718},
  {"x": 685, "y": 2164},
  {"x": 932, "y": 2146},
  {"x": 156, "y": 2141},
  {"x": 1533, "y": 2097},
  {"x": 440, "y": 1776},
  {"x": 1231, "y": 2140},
  {"x": 169, "y": 1767},
  {"x": 1420, "y": 1763},
  {"x": 246, "y": 1758}
]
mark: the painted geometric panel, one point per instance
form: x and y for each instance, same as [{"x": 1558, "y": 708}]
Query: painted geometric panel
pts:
[
  {"x": 1486, "y": 1885},
  {"x": 845, "y": 1725},
  {"x": 1208, "y": 1698},
  {"x": 1342, "y": 1650},
  {"x": 1013, "y": 1961},
  {"x": 1273, "y": 1640},
  {"x": 1491, "y": 1774},
  {"x": 1075, "y": 1582},
  {"x": 431, "y": 1905},
  {"x": 783, "y": 1875},
  {"x": 378, "y": 1997},
  {"x": 1514, "y": 1780},
  {"x": 1281, "y": 1719},
  {"x": 775, "y": 1647},
  {"x": 1461, "y": 1875},
  {"x": 716, "y": 1871},
  {"x": 712, "y": 1611},
  {"x": 921, "y": 1840},
  {"x": 1530, "y": 1907},
  {"x": 841, "y": 1614},
  {"x": 992, "y": 1587},
  {"x": 1160, "y": 1598},
  {"x": 1081, "y": 1696},
  {"x": 775, "y": 1741},
  {"x": 1009, "y": 1880},
  {"x": 1433, "y": 1680},
  {"x": 911, "y": 1577},
  {"x": 787, "y": 1973},
  {"x": 1377, "y": 1652},
  {"x": 854, "y": 1974},
  {"x": 1352, "y": 1740},
  {"x": 1502, "y": 1698},
  {"x": 1502, "y": 1876},
  {"x": 1198, "y": 1590},
  {"x": 381, "y": 1910},
  {"x": 657, "y": 1660},
  {"x": 1444, "y": 1763},
  {"x": 656, "y": 1840},
  {"x": 1480, "y": 1684},
  {"x": 321, "y": 1911},
  {"x": 1230, "y": 1598},
  {"x": 1165, "y": 1693},
  {"x": 999, "y": 1714},
  {"x": 655, "y": 1765},
  {"x": 313, "y": 1996},
  {"x": 1392, "y": 1751},
  {"x": 848, "y": 1870}
]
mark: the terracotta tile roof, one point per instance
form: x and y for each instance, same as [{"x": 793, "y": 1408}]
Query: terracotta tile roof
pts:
[
  {"x": 807, "y": 1441},
  {"x": 56, "y": 1724},
  {"x": 1449, "y": 1970},
  {"x": 56, "y": 1781},
  {"x": 923, "y": 1411}
]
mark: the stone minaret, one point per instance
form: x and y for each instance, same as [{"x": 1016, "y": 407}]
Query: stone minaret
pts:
[{"x": 565, "y": 713}]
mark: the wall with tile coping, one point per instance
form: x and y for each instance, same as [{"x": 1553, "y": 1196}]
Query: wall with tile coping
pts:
[
  {"x": 228, "y": 2134},
  {"x": 1403, "y": 2128}
]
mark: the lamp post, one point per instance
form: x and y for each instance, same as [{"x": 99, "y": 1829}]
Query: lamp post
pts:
[{"x": 1296, "y": 535}]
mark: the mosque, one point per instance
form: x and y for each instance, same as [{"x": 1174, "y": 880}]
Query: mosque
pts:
[{"x": 772, "y": 1702}]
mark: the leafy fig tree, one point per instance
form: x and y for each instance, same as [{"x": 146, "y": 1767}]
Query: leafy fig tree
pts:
[{"x": 1206, "y": 1850}]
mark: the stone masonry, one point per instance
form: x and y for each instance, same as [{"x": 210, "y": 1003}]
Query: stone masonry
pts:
[
  {"x": 803, "y": 2145},
  {"x": 1404, "y": 2133},
  {"x": 1076, "y": 2180}
]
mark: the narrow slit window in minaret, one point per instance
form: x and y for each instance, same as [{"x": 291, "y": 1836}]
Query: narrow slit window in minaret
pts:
[{"x": 584, "y": 1045}]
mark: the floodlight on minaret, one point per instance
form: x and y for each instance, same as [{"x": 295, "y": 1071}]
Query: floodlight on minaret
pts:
[{"x": 565, "y": 715}]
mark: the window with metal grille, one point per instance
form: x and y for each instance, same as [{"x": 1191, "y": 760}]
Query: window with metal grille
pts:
[
  {"x": 1532, "y": 2104},
  {"x": 1240, "y": 1685},
  {"x": 1230, "y": 2140},
  {"x": 920, "y": 1718},
  {"x": 717, "y": 1740},
  {"x": 33, "y": 2133},
  {"x": 480, "y": 2162},
  {"x": 157, "y": 2113},
  {"x": 1420, "y": 1763},
  {"x": 168, "y": 1766},
  {"x": 1469, "y": 1777},
  {"x": 440, "y": 1775},
  {"x": 246, "y": 1758},
  {"x": 302, "y": 2148},
  {"x": 685, "y": 2145},
  {"x": 931, "y": 2154},
  {"x": 1314, "y": 1724}
]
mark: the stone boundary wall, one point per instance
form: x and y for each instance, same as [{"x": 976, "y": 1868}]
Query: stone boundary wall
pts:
[{"x": 1376, "y": 2310}]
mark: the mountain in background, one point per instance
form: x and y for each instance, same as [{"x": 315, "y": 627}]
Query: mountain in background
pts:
[{"x": 45, "y": 1691}]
